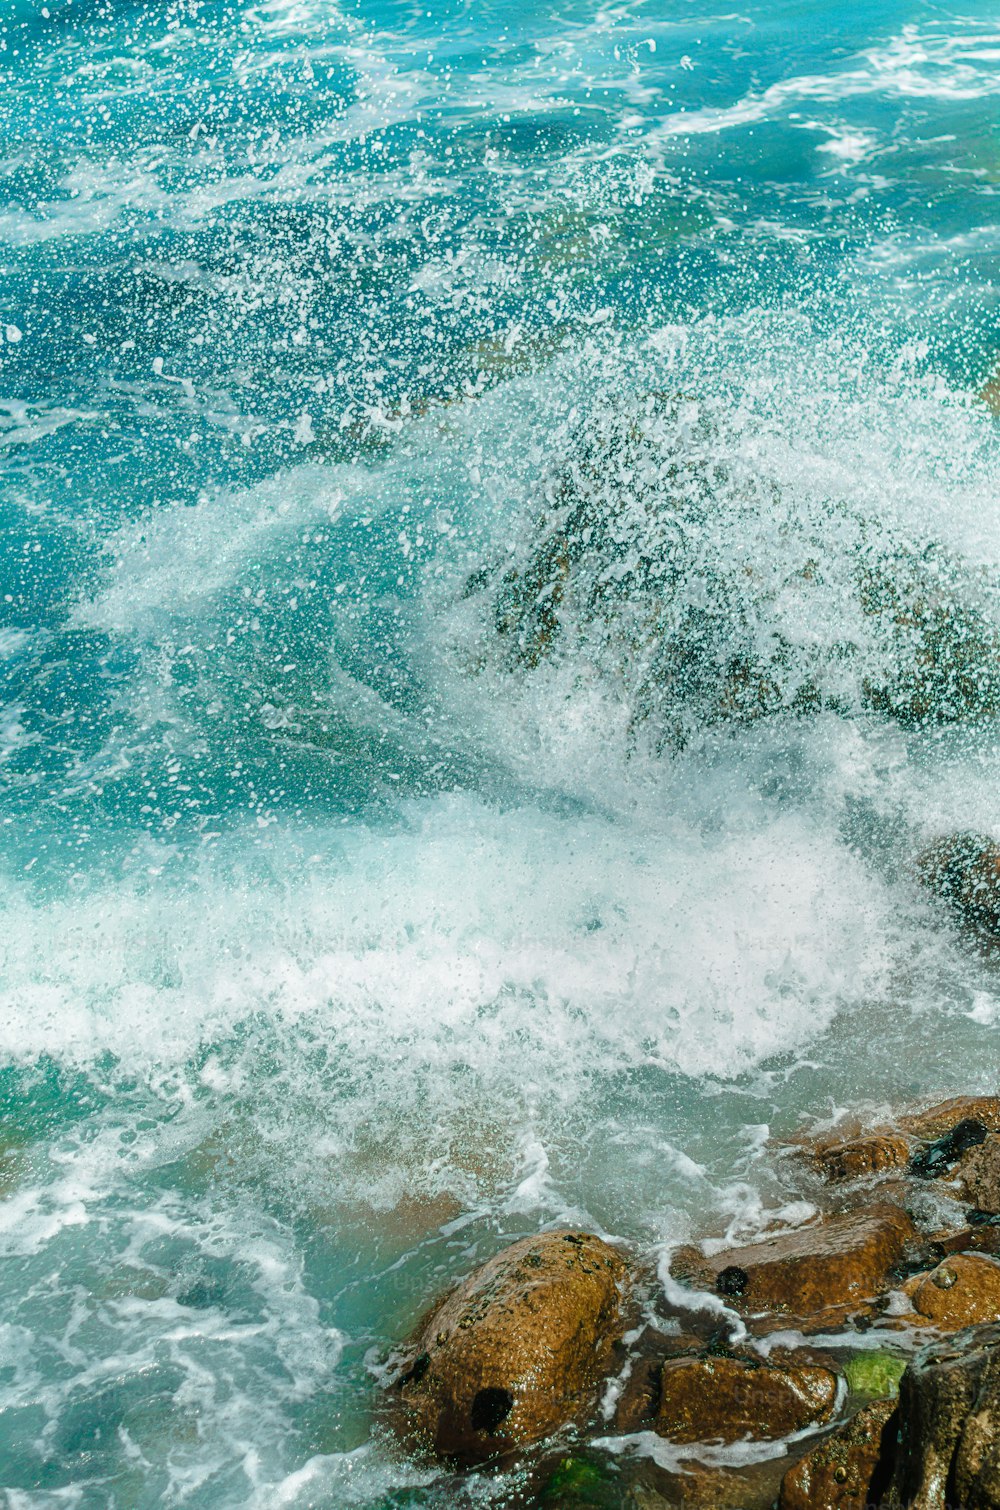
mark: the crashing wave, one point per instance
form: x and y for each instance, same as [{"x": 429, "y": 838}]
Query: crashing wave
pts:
[{"x": 711, "y": 595}]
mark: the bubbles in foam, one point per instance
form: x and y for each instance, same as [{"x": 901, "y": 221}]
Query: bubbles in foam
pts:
[{"x": 575, "y": 984}]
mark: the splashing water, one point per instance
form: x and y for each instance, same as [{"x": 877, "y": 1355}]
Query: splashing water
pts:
[{"x": 500, "y": 579}]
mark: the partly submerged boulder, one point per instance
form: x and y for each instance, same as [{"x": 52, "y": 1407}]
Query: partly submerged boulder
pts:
[
  {"x": 948, "y": 1454},
  {"x": 960, "y": 1292},
  {"x": 665, "y": 556},
  {"x": 726, "y": 1399},
  {"x": 942, "y": 1140},
  {"x": 941, "y": 1119},
  {"x": 516, "y": 1350},
  {"x": 979, "y": 1173},
  {"x": 848, "y": 1470},
  {"x": 876, "y": 1153},
  {"x": 964, "y": 871},
  {"x": 815, "y": 1274}
]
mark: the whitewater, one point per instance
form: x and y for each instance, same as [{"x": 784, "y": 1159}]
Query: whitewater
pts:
[{"x": 354, "y": 921}]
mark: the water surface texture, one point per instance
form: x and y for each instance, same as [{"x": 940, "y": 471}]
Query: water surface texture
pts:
[{"x": 340, "y": 943}]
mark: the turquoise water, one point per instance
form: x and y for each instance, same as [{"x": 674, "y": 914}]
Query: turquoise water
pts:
[{"x": 335, "y": 948}]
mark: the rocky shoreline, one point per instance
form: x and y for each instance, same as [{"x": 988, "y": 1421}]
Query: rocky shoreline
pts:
[{"x": 852, "y": 1361}]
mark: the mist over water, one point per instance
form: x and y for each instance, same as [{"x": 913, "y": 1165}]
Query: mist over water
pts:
[{"x": 362, "y": 906}]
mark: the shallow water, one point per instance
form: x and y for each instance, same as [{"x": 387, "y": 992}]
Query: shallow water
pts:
[{"x": 337, "y": 949}]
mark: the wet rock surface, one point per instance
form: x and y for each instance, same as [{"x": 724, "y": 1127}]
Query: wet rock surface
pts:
[
  {"x": 960, "y": 1292},
  {"x": 937, "y": 1159},
  {"x": 847, "y": 1471},
  {"x": 810, "y": 1273},
  {"x": 980, "y": 1175},
  {"x": 516, "y": 1350},
  {"x": 940, "y": 1119},
  {"x": 720, "y": 1399},
  {"x": 700, "y": 1488},
  {"x": 948, "y": 1455},
  {"x": 860, "y": 1158}
]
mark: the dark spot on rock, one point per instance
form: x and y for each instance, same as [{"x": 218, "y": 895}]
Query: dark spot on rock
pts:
[
  {"x": 718, "y": 1344},
  {"x": 416, "y": 1371},
  {"x": 934, "y": 1160},
  {"x": 478, "y": 581},
  {"x": 968, "y": 1134},
  {"x": 533, "y": 1261},
  {"x": 732, "y": 1282},
  {"x": 490, "y": 1408},
  {"x": 917, "y": 1258}
]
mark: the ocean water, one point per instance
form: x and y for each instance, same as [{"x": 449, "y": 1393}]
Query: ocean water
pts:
[{"x": 339, "y": 947}]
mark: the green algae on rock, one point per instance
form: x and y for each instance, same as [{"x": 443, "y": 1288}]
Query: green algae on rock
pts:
[
  {"x": 874, "y": 1373},
  {"x": 578, "y": 1483}
]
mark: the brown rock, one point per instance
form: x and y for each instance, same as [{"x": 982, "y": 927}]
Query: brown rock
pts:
[
  {"x": 516, "y": 1350},
  {"x": 980, "y": 1239},
  {"x": 860, "y": 1158},
  {"x": 989, "y": 393},
  {"x": 962, "y": 1291},
  {"x": 980, "y": 1176},
  {"x": 843, "y": 1473},
  {"x": 948, "y": 1452},
  {"x": 725, "y": 1399},
  {"x": 935, "y": 1121},
  {"x": 701, "y": 1488},
  {"x": 813, "y": 1272},
  {"x": 640, "y": 1396}
]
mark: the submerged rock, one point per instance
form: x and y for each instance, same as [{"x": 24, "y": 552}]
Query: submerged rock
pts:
[
  {"x": 725, "y": 1399},
  {"x": 847, "y": 1471},
  {"x": 700, "y": 1488},
  {"x": 516, "y": 1350},
  {"x": 948, "y": 1455},
  {"x": 960, "y": 1292},
  {"x": 647, "y": 558},
  {"x": 989, "y": 393},
  {"x": 580, "y": 1484},
  {"x": 813, "y": 1273},
  {"x": 964, "y": 870}
]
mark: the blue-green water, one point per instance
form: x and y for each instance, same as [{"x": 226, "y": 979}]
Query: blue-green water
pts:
[{"x": 333, "y": 952}]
